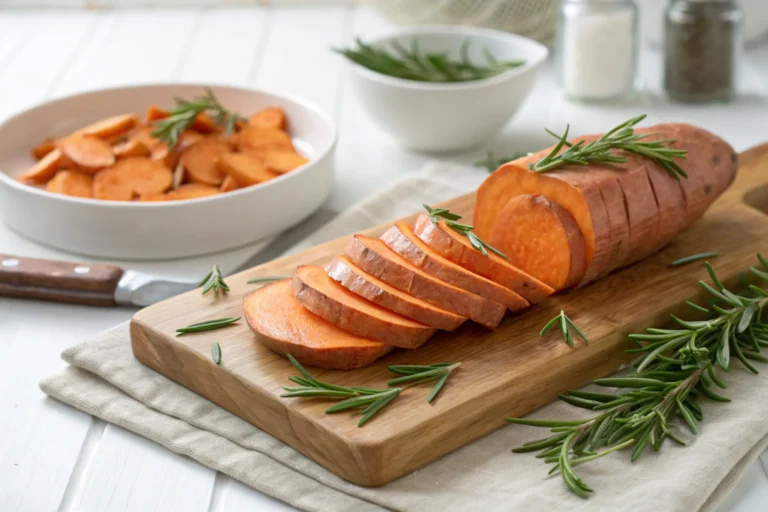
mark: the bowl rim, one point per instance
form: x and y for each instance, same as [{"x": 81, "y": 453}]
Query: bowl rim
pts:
[
  {"x": 298, "y": 100},
  {"x": 456, "y": 31}
]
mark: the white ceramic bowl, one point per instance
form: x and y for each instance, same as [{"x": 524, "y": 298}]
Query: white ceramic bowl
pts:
[
  {"x": 449, "y": 116},
  {"x": 161, "y": 230}
]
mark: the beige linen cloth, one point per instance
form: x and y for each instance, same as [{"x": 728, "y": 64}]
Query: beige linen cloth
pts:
[{"x": 106, "y": 381}]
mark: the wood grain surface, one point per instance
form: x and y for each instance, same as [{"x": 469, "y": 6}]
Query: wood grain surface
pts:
[{"x": 508, "y": 372}]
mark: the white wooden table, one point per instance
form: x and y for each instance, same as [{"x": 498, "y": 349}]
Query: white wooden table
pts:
[{"x": 55, "y": 458}]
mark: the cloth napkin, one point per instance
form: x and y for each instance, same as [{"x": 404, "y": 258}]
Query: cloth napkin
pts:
[{"x": 106, "y": 381}]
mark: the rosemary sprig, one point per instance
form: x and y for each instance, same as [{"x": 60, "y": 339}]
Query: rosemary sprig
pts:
[
  {"x": 170, "y": 128},
  {"x": 265, "y": 279},
  {"x": 216, "y": 353},
  {"x": 676, "y": 370},
  {"x": 426, "y": 67},
  {"x": 417, "y": 374},
  {"x": 214, "y": 281},
  {"x": 622, "y": 137},
  {"x": 565, "y": 326},
  {"x": 492, "y": 162},
  {"x": 450, "y": 218},
  {"x": 208, "y": 325},
  {"x": 693, "y": 257}
]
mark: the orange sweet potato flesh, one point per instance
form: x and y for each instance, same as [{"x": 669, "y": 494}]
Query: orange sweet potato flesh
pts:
[
  {"x": 401, "y": 239},
  {"x": 46, "y": 146},
  {"x": 279, "y": 160},
  {"x": 45, "y": 168},
  {"x": 542, "y": 239},
  {"x": 329, "y": 300},
  {"x": 286, "y": 327},
  {"x": 87, "y": 153},
  {"x": 229, "y": 184},
  {"x": 201, "y": 161},
  {"x": 202, "y": 123},
  {"x": 374, "y": 257},
  {"x": 71, "y": 183},
  {"x": 131, "y": 147},
  {"x": 246, "y": 169},
  {"x": 110, "y": 127},
  {"x": 346, "y": 273},
  {"x": 457, "y": 248},
  {"x": 191, "y": 191},
  {"x": 263, "y": 138},
  {"x": 270, "y": 117},
  {"x": 132, "y": 177}
]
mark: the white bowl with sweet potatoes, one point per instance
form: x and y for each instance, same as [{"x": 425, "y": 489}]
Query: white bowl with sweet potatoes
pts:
[{"x": 152, "y": 179}]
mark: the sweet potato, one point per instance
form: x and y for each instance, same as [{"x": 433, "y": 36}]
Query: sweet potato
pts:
[
  {"x": 286, "y": 327},
  {"x": 86, "y": 153},
  {"x": 329, "y": 300},
  {"x": 279, "y": 160},
  {"x": 111, "y": 127},
  {"x": 354, "y": 279},
  {"x": 542, "y": 239},
  {"x": 201, "y": 161},
  {"x": 129, "y": 148},
  {"x": 44, "y": 169},
  {"x": 191, "y": 191},
  {"x": 374, "y": 257},
  {"x": 71, "y": 183},
  {"x": 457, "y": 248},
  {"x": 229, "y": 184},
  {"x": 131, "y": 177},
  {"x": 46, "y": 146},
  {"x": 401, "y": 239},
  {"x": 270, "y": 117},
  {"x": 244, "y": 168},
  {"x": 262, "y": 138}
]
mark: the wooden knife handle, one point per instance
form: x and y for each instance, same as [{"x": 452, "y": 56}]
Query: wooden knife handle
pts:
[{"x": 60, "y": 281}]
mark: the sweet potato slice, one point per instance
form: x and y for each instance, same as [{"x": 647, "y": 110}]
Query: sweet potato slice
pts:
[
  {"x": 354, "y": 279},
  {"x": 129, "y": 148},
  {"x": 671, "y": 205},
  {"x": 270, "y": 117},
  {"x": 111, "y": 127},
  {"x": 401, "y": 239},
  {"x": 229, "y": 184},
  {"x": 244, "y": 168},
  {"x": 329, "y": 300},
  {"x": 44, "y": 169},
  {"x": 374, "y": 257},
  {"x": 191, "y": 191},
  {"x": 201, "y": 161},
  {"x": 87, "y": 153},
  {"x": 262, "y": 138},
  {"x": 131, "y": 177},
  {"x": 46, "y": 146},
  {"x": 202, "y": 123},
  {"x": 278, "y": 160},
  {"x": 542, "y": 239},
  {"x": 457, "y": 248},
  {"x": 286, "y": 327},
  {"x": 71, "y": 183}
]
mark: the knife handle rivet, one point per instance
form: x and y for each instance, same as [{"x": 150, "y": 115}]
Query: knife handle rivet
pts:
[
  {"x": 82, "y": 269},
  {"x": 10, "y": 263}
]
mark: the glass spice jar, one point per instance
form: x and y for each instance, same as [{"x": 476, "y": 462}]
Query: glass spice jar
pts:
[{"x": 702, "y": 45}]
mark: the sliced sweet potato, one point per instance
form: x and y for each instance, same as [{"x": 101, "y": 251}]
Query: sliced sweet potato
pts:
[
  {"x": 152, "y": 197},
  {"x": 279, "y": 160},
  {"x": 201, "y": 161},
  {"x": 642, "y": 209},
  {"x": 202, "y": 123},
  {"x": 131, "y": 147},
  {"x": 542, "y": 239},
  {"x": 329, "y": 300},
  {"x": 616, "y": 210},
  {"x": 262, "y": 138},
  {"x": 374, "y": 257},
  {"x": 45, "y": 168},
  {"x": 401, "y": 239},
  {"x": 229, "y": 184},
  {"x": 246, "y": 169},
  {"x": 270, "y": 117},
  {"x": 111, "y": 127},
  {"x": 86, "y": 153},
  {"x": 71, "y": 183},
  {"x": 286, "y": 327},
  {"x": 671, "y": 205},
  {"x": 46, "y": 146},
  {"x": 191, "y": 191},
  {"x": 342, "y": 270},
  {"x": 131, "y": 177},
  {"x": 457, "y": 248}
]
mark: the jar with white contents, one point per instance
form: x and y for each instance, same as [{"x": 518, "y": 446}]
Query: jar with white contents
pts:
[{"x": 598, "y": 48}]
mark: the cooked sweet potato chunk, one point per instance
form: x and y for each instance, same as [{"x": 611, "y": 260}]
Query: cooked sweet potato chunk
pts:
[
  {"x": 44, "y": 169},
  {"x": 111, "y": 127},
  {"x": 46, "y": 146},
  {"x": 262, "y": 138},
  {"x": 201, "y": 161},
  {"x": 129, "y": 148},
  {"x": 270, "y": 117},
  {"x": 229, "y": 184},
  {"x": 131, "y": 177},
  {"x": 191, "y": 191},
  {"x": 244, "y": 168},
  {"x": 71, "y": 183},
  {"x": 86, "y": 153},
  {"x": 279, "y": 160}
]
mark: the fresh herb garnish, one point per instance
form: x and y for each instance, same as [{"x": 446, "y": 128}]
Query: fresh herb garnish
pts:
[
  {"x": 265, "y": 279},
  {"x": 621, "y": 137},
  {"x": 208, "y": 325},
  {"x": 426, "y": 67},
  {"x": 492, "y": 163},
  {"x": 693, "y": 257},
  {"x": 169, "y": 129},
  {"x": 677, "y": 369},
  {"x": 214, "y": 281},
  {"x": 416, "y": 374},
  {"x": 216, "y": 353},
  {"x": 450, "y": 218},
  {"x": 565, "y": 326}
]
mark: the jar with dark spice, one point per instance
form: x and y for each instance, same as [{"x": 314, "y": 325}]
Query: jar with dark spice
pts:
[{"x": 702, "y": 45}]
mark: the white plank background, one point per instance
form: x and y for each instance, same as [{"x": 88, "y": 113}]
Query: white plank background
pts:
[{"x": 54, "y": 458}]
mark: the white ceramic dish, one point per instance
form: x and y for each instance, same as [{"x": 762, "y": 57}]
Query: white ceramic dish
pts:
[
  {"x": 449, "y": 116},
  {"x": 161, "y": 230}
]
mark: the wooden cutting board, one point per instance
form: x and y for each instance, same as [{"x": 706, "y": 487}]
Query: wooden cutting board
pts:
[{"x": 508, "y": 372}]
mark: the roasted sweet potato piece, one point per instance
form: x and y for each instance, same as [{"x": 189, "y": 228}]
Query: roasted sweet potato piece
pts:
[
  {"x": 71, "y": 183},
  {"x": 278, "y": 160},
  {"x": 374, "y": 257},
  {"x": 261, "y": 138},
  {"x": 46, "y": 146},
  {"x": 129, "y": 148},
  {"x": 329, "y": 300},
  {"x": 285, "y": 326},
  {"x": 86, "y": 153},
  {"x": 111, "y": 127},
  {"x": 44, "y": 169},
  {"x": 191, "y": 191},
  {"x": 246, "y": 169},
  {"x": 270, "y": 117},
  {"x": 131, "y": 177},
  {"x": 201, "y": 161},
  {"x": 354, "y": 279},
  {"x": 152, "y": 197},
  {"x": 229, "y": 184},
  {"x": 202, "y": 123},
  {"x": 401, "y": 239}
]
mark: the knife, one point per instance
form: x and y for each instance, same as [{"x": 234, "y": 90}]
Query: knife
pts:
[{"x": 91, "y": 284}]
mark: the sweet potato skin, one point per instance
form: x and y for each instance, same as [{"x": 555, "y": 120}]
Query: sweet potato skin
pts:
[
  {"x": 329, "y": 300},
  {"x": 357, "y": 281},
  {"x": 286, "y": 327}
]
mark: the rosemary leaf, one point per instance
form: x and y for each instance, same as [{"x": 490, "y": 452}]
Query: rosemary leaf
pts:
[
  {"x": 265, "y": 279},
  {"x": 492, "y": 162},
  {"x": 216, "y": 353},
  {"x": 214, "y": 281},
  {"x": 694, "y": 257},
  {"x": 208, "y": 325},
  {"x": 565, "y": 328},
  {"x": 450, "y": 218}
]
